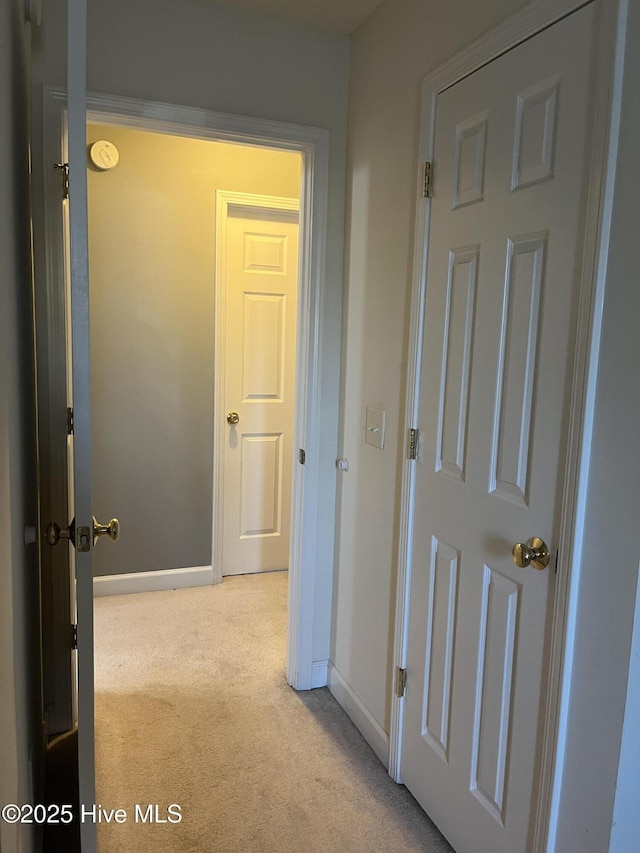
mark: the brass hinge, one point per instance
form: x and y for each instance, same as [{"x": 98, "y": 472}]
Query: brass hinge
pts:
[
  {"x": 413, "y": 444},
  {"x": 428, "y": 178},
  {"x": 401, "y": 682},
  {"x": 302, "y": 456},
  {"x": 69, "y": 420},
  {"x": 64, "y": 170},
  {"x": 74, "y": 636}
]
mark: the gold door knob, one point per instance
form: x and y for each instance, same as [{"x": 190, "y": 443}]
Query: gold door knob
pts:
[
  {"x": 233, "y": 418},
  {"x": 534, "y": 553},
  {"x": 112, "y": 530}
]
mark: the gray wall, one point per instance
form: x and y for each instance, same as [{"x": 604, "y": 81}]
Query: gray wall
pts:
[
  {"x": 151, "y": 251},
  {"x": 20, "y": 709}
]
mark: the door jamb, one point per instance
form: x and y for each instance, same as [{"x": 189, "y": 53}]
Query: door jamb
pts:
[
  {"x": 536, "y": 16},
  {"x": 251, "y": 202},
  {"x": 313, "y": 144}
]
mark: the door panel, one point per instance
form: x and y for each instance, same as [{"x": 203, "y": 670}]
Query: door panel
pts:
[
  {"x": 261, "y": 485},
  {"x": 504, "y": 238},
  {"x": 260, "y": 292}
]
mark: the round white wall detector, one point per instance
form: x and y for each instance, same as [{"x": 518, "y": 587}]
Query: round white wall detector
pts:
[{"x": 104, "y": 155}]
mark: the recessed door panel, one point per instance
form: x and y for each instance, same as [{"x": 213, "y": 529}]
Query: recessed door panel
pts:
[
  {"x": 534, "y": 146},
  {"x": 440, "y": 638},
  {"x": 261, "y": 495},
  {"x": 468, "y": 170},
  {"x": 456, "y": 359},
  {"x": 524, "y": 278},
  {"x": 264, "y": 346},
  {"x": 265, "y": 253},
  {"x": 494, "y": 687}
]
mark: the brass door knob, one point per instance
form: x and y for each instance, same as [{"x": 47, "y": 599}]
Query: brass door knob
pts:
[
  {"x": 112, "y": 530},
  {"x": 532, "y": 553},
  {"x": 233, "y": 418}
]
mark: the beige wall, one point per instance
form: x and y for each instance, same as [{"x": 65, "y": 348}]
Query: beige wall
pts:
[
  {"x": 152, "y": 254},
  {"x": 391, "y": 52}
]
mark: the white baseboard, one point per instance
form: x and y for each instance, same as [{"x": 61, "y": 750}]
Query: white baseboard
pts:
[
  {"x": 152, "y": 581},
  {"x": 319, "y": 673},
  {"x": 360, "y": 715}
]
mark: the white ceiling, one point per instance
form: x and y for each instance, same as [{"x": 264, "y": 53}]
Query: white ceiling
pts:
[{"x": 341, "y": 16}]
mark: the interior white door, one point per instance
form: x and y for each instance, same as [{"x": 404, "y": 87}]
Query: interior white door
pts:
[
  {"x": 260, "y": 283},
  {"x": 504, "y": 244},
  {"x": 80, "y": 443}
]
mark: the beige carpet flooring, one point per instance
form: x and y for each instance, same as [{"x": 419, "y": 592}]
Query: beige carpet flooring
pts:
[{"x": 192, "y": 707}]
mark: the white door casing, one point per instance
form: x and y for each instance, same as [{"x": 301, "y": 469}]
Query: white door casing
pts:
[
  {"x": 505, "y": 228},
  {"x": 256, "y": 310}
]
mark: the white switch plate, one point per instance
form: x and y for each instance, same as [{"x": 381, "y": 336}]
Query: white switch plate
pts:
[{"x": 374, "y": 434}]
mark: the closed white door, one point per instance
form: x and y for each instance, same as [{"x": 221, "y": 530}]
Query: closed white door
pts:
[
  {"x": 504, "y": 249},
  {"x": 260, "y": 285}
]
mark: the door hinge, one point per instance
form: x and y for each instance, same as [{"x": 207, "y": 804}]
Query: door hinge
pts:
[
  {"x": 74, "y": 636},
  {"x": 428, "y": 179},
  {"x": 401, "y": 682},
  {"x": 64, "y": 171},
  {"x": 69, "y": 420},
  {"x": 302, "y": 456},
  {"x": 413, "y": 444}
]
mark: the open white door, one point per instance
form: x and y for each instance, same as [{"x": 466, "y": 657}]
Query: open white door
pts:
[
  {"x": 87, "y": 530},
  {"x": 81, "y": 439}
]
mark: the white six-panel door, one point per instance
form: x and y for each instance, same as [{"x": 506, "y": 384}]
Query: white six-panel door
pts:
[
  {"x": 260, "y": 282},
  {"x": 501, "y": 283}
]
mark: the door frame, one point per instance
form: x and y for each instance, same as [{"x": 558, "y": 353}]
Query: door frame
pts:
[
  {"x": 225, "y": 200},
  {"x": 313, "y": 145},
  {"x": 604, "y": 121}
]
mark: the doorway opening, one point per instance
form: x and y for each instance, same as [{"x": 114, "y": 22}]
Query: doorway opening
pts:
[
  {"x": 194, "y": 278},
  {"x": 309, "y": 149},
  {"x": 194, "y": 287}
]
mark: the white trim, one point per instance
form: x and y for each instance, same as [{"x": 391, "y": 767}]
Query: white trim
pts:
[
  {"x": 319, "y": 673},
  {"x": 611, "y": 24},
  {"x": 152, "y": 581},
  {"x": 531, "y": 20},
  {"x": 534, "y": 18},
  {"x": 225, "y": 200},
  {"x": 412, "y": 408},
  {"x": 625, "y": 826},
  {"x": 359, "y": 714},
  {"x": 313, "y": 144},
  {"x": 305, "y": 509}
]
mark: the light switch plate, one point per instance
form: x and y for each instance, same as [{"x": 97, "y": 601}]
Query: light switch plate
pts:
[{"x": 374, "y": 434}]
